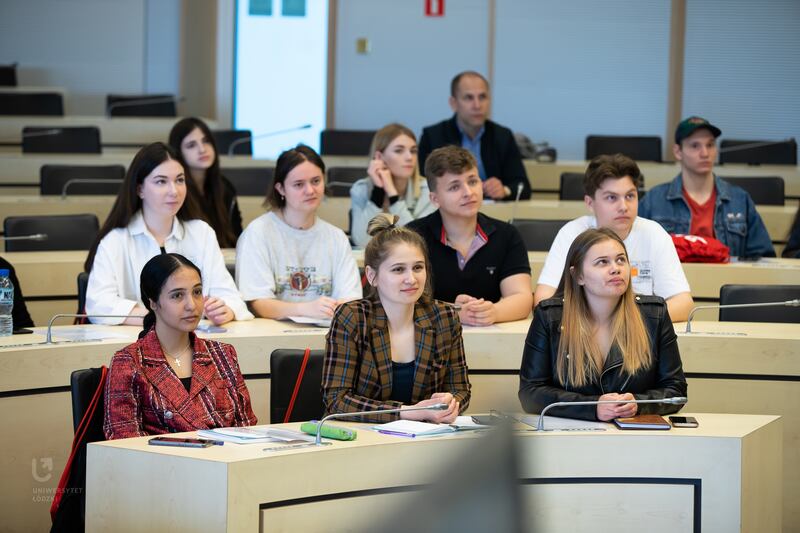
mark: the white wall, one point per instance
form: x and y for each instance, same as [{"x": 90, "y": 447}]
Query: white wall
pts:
[
  {"x": 91, "y": 47},
  {"x": 406, "y": 77}
]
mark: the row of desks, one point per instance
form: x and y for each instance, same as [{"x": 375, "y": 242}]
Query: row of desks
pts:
[
  {"x": 23, "y": 169},
  {"x": 731, "y": 368},
  {"x": 48, "y": 279}
]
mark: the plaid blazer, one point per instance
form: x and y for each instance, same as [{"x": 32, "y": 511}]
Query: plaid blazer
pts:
[
  {"x": 357, "y": 375},
  {"x": 143, "y": 396}
]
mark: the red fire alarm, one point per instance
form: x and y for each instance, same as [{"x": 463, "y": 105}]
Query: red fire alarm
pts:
[{"x": 434, "y": 8}]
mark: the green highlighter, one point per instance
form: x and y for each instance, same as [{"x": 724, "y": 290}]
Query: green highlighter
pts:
[{"x": 328, "y": 431}]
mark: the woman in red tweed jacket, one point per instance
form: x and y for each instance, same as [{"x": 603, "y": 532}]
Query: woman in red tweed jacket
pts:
[
  {"x": 170, "y": 380},
  {"x": 399, "y": 347}
]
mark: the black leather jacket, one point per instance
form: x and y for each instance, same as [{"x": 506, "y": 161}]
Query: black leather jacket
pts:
[{"x": 539, "y": 386}]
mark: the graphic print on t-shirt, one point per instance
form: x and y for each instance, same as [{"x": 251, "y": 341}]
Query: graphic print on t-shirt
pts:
[
  {"x": 301, "y": 283},
  {"x": 642, "y": 277}
]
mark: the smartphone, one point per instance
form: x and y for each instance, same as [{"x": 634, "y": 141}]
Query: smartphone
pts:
[
  {"x": 684, "y": 421},
  {"x": 179, "y": 441},
  {"x": 22, "y": 331},
  {"x": 487, "y": 420}
]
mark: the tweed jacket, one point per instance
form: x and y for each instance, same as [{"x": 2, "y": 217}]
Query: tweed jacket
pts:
[
  {"x": 143, "y": 396},
  {"x": 357, "y": 375}
]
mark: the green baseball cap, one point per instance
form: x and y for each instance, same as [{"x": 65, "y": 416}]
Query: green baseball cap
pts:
[{"x": 692, "y": 124}]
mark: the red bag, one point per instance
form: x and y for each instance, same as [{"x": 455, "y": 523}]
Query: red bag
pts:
[{"x": 696, "y": 249}]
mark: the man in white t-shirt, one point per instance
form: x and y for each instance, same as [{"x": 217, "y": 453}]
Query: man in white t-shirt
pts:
[{"x": 611, "y": 185}]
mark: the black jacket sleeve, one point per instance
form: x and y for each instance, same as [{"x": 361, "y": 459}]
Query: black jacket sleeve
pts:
[
  {"x": 424, "y": 149},
  {"x": 537, "y": 384}
]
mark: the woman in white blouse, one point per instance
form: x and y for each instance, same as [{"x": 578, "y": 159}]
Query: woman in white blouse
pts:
[
  {"x": 289, "y": 262},
  {"x": 154, "y": 214},
  {"x": 393, "y": 184}
]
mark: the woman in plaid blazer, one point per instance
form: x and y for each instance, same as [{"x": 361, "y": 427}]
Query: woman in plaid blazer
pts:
[
  {"x": 170, "y": 380},
  {"x": 422, "y": 364}
]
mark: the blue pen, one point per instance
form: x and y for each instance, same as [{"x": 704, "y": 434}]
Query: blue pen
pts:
[{"x": 396, "y": 433}]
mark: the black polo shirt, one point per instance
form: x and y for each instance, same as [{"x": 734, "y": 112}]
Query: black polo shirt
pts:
[{"x": 503, "y": 255}]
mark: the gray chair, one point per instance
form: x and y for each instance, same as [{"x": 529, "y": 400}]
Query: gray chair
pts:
[
  {"x": 340, "y": 179},
  {"x": 250, "y": 181},
  {"x": 764, "y": 190},
  {"x": 760, "y": 153},
  {"x": 571, "y": 186},
  {"x": 141, "y": 105},
  {"x": 346, "y": 142},
  {"x": 64, "y": 232},
  {"x": 225, "y": 138},
  {"x": 63, "y": 140},
  {"x": 746, "y": 294},
  {"x": 638, "y": 148},
  {"x": 80, "y": 179},
  {"x": 537, "y": 234},
  {"x": 50, "y": 104},
  {"x": 284, "y": 368}
]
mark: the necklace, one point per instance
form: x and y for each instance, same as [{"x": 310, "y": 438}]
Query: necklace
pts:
[{"x": 178, "y": 357}]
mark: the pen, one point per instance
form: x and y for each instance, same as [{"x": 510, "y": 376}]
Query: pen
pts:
[
  {"x": 396, "y": 433},
  {"x": 217, "y": 442}
]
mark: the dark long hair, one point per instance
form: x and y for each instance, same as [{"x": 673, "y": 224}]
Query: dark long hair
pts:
[
  {"x": 128, "y": 202},
  {"x": 286, "y": 162},
  {"x": 212, "y": 199},
  {"x": 155, "y": 274}
]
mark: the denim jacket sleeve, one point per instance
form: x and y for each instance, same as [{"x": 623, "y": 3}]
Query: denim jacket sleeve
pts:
[{"x": 758, "y": 242}]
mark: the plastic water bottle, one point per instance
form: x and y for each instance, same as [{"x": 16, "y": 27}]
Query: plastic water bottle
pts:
[{"x": 6, "y": 303}]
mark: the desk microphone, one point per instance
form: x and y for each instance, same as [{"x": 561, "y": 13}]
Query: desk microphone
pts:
[
  {"x": 748, "y": 146},
  {"x": 76, "y": 181},
  {"x": 142, "y": 102},
  {"x": 677, "y": 400},
  {"x": 318, "y": 440},
  {"x": 516, "y": 202},
  {"x": 787, "y": 303},
  {"x": 40, "y": 133},
  {"x": 249, "y": 138},
  {"x": 49, "y": 339},
  {"x": 33, "y": 237}
]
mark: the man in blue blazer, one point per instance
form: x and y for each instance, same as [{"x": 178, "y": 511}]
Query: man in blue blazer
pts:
[{"x": 499, "y": 161}]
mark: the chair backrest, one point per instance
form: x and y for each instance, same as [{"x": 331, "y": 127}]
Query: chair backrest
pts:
[
  {"x": 53, "y": 179},
  {"x": 345, "y": 142},
  {"x": 638, "y": 148},
  {"x": 746, "y": 294},
  {"x": 571, "y": 187},
  {"x": 340, "y": 179},
  {"x": 141, "y": 105},
  {"x": 8, "y": 75},
  {"x": 284, "y": 366},
  {"x": 770, "y": 153},
  {"x": 250, "y": 181},
  {"x": 83, "y": 284},
  {"x": 538, "y": 234},
  {"x": 224, "y": 138},
  {"x": 83, "y": 384},
  {"x": 64, "y": 232},
  {"x": 71, "y": 140},
  {"x": 51, "y": 104},
  {"x": 764, "y": 190}
]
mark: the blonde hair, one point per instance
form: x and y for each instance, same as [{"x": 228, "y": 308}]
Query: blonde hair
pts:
[
  {"x": 384, "y": 137},
  {"x": 385, "y": 235},
  {"x": 579, "y": 360}
]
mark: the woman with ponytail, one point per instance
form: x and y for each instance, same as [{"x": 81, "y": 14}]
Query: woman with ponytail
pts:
[
  {"x": 596, "y": 340},
  {"x": 170, "y": 380},
  {"x": 398, "y": 347}
]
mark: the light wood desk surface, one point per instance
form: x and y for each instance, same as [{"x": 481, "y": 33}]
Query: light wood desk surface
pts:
[
  {"x": 129, "y": 131},
  {"x": 731, "y": 367},
  {"x": 730, "y": 468}
]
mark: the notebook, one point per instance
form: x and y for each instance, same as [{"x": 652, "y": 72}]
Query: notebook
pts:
[{"x": 642, "y": 422}]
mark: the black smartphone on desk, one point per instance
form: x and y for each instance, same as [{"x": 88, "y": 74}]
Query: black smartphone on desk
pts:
[
  {"x": 181, "y": 442},
  {"x": 684, "y": 422}
]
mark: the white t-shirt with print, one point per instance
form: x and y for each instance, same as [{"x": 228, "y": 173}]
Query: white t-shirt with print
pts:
[
  {"x": 275, "y": 260},
  {"x": 655, "y": 267}
]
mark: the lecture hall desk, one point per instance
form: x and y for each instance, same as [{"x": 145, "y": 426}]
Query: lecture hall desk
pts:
[
  {"x": 731, "y": 368},
  {"x": 721, "y": 477}
]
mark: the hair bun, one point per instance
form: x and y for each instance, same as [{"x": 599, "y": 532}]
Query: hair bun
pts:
[{"x": 381, "y": 222}]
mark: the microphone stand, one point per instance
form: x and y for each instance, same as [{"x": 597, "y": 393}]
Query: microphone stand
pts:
[
  {"x": 33, "y": 237},
  {"x": 677, "y": 400},
  {"x": 85, "y": 180},
  {"x": 516, "y": 202},
  {"x": 49, "y": 339},
  {"x": 318, "y": 440},
  {"x": 787, "y": 303},
  {"x": 142, "y": 102},
  {"x": 249, "y": 138}
]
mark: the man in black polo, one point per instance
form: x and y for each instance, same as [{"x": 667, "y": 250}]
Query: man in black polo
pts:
[
  {"x": 478, "y": 262},
  {"x": 498, "y": 160}
]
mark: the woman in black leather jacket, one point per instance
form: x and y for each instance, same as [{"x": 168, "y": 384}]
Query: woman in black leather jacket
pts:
[{"x": 596, "y": 340}]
